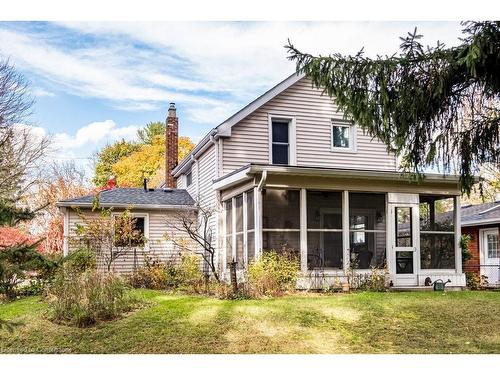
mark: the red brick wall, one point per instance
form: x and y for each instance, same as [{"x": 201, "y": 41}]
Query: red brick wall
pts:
[
  {"x": 172, "y": 144},
  {"x": 473, "y": 263}
]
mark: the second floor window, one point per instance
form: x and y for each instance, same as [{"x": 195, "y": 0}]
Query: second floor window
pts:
[
  {"x": 189, "y": 179},
  {"x": 280, "y": 142},
  {"x": 341, "y": 136}
]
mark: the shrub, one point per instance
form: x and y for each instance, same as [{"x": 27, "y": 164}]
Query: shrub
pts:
[
  {"x": 20, "y": 263},
  {"x": 474, "y": 281},
  {"x": 465, "y": 240},
  {"x": 81, "y": 260},
  {"x": 375, "y": 280},
  {"x": 155, "y": 275},
  {"x": 273, "y": 274},
  {"x": 34, "y": 288},
  {"x": 184, "y": 274},
  {"x": 84, "y": 298}
]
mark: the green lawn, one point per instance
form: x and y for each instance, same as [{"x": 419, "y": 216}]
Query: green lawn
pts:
[{"x": 423, "y": 322}]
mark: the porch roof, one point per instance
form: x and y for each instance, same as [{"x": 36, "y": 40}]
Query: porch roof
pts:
[{"x": 248, "y": 171}]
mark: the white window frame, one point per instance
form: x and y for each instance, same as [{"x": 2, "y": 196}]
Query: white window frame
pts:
[
  {"x": 144, "y": 215},
  {"x": 352, "y": 135},
  {"x": 245, "y": 231},
  {"x": 292, "y": 135}
]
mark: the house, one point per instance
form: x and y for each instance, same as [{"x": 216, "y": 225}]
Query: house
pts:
[
  {"x": 289, "y": 172},
  {"x": 481, "y": 223}
]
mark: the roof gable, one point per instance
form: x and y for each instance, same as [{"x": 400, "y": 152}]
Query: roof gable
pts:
[{"x": 224, "y": 129}]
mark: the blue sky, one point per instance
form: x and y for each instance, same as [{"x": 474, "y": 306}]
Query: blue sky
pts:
[{"x": 97, "y": 82}]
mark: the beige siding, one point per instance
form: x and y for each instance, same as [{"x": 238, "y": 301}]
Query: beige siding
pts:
[
  {"x": 207, "y": 195},
  {"x": 313, "y": 111},
  {"x": 193, "y": 188},
  {"x": 159, "y": 247},
  {"x": 181, "y": 182}
]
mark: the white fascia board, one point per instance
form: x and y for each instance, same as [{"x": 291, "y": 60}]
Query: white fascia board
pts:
[
  {"x": 480, "y": 222},
  {"x": 225, "y": 127},
  {"x": 200, "y": 148},
  {"x": 232, "y": 179},
  {"x": 365, "y": 174},
  {"x": 127, "y": 206}
]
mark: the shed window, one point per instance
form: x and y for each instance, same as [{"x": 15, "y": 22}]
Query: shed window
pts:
[{"x": 124, "y": 237}]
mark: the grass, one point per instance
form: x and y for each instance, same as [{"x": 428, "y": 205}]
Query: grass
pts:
[{"x": 413, "y": 322}]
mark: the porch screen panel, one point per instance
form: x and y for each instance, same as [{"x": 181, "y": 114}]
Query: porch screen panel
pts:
[
  {"x": 238, "y": 212},
  {"x": 437, "y": 232},
  {"x": 324, "y": 230},
  {"x": 281, "y": 220},
  {"x": 229, "y": 231},
  {"x": 250, "y": 226},
  {"x": 367, "y": 230}
]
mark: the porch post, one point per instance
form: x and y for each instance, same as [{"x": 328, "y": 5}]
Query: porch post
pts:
[
  {"x": 458, "y": 233},
  {"x": 257, "y": 196},
  {"x": 345, "y": 229},
  {"x": 303, "y": 230}
]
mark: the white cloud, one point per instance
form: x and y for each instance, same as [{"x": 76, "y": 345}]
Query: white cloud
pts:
[
  {"x": 40, "y": 92},
  {"x": 85, "y": 140},
  {"x": 94, "y": 134}
]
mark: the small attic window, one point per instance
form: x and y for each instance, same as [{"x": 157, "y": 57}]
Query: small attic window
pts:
[
  {"x": 189, "y": 179},
  {"x": 343, "y": 136}
]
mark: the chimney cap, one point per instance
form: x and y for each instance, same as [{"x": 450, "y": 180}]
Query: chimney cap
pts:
[{"x": 172, "y": 112}]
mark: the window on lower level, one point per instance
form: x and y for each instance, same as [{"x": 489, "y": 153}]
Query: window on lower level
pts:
[{"x": 129, "y": 230}]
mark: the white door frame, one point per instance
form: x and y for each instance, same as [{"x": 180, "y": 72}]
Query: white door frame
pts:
[
  {"x": 483, "y": 252},
  {"x": 408, "y": 279}
]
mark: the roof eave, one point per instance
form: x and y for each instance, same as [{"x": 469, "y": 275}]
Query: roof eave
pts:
[{"x": 127, "y": 206}]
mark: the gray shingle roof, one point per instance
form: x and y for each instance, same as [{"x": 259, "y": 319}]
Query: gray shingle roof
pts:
[
  {"x": 481, "y": 212},
  {"x": 135, "y": 197}
]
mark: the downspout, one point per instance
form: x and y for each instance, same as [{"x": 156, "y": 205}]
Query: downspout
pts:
[{"x": 262, "y": 181}]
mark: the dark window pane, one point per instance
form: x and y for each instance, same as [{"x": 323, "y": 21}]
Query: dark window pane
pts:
[
  {"x": 250, "y": 246},
  {"x": 280, "y": 209},
  {"x": 280, "y": 132},
  {"x": 124, "y": 238},
  {"x": 239, "y": 251},
  {"x": 189, "y": 179},
  {"x": 437, "y": 251},
  {"x": 281, "y": 241},
  {"x": 367, "y": 211},
  {"x": 404, "y": 220},
  {"x": 324, "y": 210},
  {"x": 404, "y": 262},
  {"x": 239, "y": 213},
  {"x": 436, "y": 213},
  {"x": 324, "y": 250},
  {"x": 340, "y": 136},
  {"x": 367, "y": 250},
  {"x": 280, "y": 154},
  {"x": 250, "y": 210},
  {"x": 229, "y": 224}
]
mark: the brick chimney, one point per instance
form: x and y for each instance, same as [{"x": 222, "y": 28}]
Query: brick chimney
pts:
[{"x": 172, "y": 144}]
